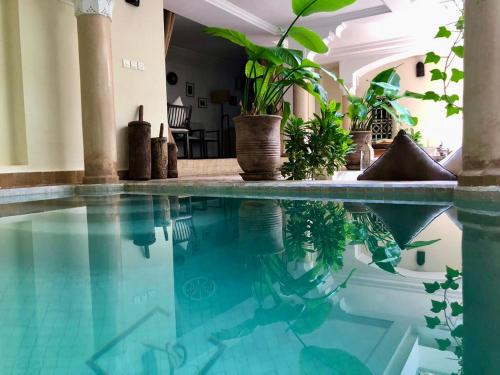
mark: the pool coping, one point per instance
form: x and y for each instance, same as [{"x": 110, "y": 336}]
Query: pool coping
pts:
[{"x": 441, "y": 192}]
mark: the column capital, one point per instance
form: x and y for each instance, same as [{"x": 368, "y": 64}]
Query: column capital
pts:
[{"x": 98, "y": 7}]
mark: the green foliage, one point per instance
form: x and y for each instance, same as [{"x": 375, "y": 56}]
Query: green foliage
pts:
[
  {"x": 307, "y": 7},
  {"x": 450, "y": 312},
  {"x": 383, "y": 93},
  {"x": 317, "y": 146},
  {"x": 447, "y": 75},
  {"x": 272, "y": 71},
  {"x": 416, "y": 136}
]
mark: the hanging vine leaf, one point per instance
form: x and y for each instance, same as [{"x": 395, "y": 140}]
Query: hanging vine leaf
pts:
[
  {"x": 432, "y": 321},
  {"x": 431, "y": 287},
  {"x": 456, "y": 309},
  {"x": 432, "y": 58},
  {"x": 443, "y": 32},
  {"x": 452, "y": 273},
  {"x": 458, "y": 332},
  {"x": 438, "y": 75},
  {"x": 457, "y": 75},
  {"x": 443, "y": 344},
  {"x": 459, "y": 51},
  {"x": 438, "y": 306}
]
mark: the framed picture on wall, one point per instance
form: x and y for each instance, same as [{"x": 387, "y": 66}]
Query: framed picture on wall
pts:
[
  {"x": 202, "y": 102},
  {"x": 190, "y": 89}
]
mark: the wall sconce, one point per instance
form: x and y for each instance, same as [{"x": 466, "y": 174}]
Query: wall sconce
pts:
[
  {"x": 420, "y": 69},
  {"x": 420, "y": 258},
  {"x": 134, "y": 2}
]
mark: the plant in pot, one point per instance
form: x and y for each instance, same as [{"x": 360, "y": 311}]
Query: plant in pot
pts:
[
  {"x": 270, "y": 73},
  {"x": 384, "y": 93},
  {"x": 318, "y": 147}
]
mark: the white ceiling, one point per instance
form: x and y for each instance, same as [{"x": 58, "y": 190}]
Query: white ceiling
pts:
[
  {"x": 279, "y": 12},
  {"x": 364, "y": 22}
]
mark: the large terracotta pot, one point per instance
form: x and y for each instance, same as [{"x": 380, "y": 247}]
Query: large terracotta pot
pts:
[
  {"x": 354, "y": 158},
  {"x": 260, "y": 227},
  {"x": 258, "y": 147}
]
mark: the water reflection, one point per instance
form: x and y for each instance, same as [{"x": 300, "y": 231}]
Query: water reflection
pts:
[{"x": 266, "y": 285}]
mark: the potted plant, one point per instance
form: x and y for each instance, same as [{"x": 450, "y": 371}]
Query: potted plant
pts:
[
  {"x": 270, "y": 73},
  {"x": 318, "y": 147},
  {"x": 383, "y": 93}
]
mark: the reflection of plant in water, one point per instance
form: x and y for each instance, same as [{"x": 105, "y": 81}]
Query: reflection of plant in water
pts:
[
  {"x": 318, "y": 231},
  {"x": 367, "y": 229},
  {"x": 450, "y": 313},
  {"x": 316, "y": 227}
]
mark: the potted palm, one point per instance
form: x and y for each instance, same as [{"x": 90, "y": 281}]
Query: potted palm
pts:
[
  {"x": 270, "y": 73},
  {"x": 383, "y": 93}
]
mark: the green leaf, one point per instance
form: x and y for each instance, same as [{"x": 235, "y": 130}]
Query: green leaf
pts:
[
  {"x": 450, "y": 99},
  {"x": 432, "y": 58},
  {"x": 418, "y": 244},
  {"x": 388, "y": 76},
  {"x": 312, "y": 319},
  {"x": 452, "y": 273},
  {"x": 308, "y": 38},
  {"x": 457, "y": 75},
  {"x": 316, "y": 360},
  {"x": 458, "y": 331},
  {"x": 452, "y": 110},
  {"x": 431, "y": 95},
  {"x": 432, "y": 322},
  {"x": 307, "y": 7},
  {"x": 253, "y": 69},
  {"x": 306, "y": 63},
  {"x": 288, "y": 56},
  {"x": 443, "y": 32},
  {"x": 449, "y": 284},
  {"x": 287, "y": 112},
  {"x": 431, "y": 287},
  {"x": 456, "y": 309},
  {"x": 233, "y": 36},
  {"x": 438, "y": 75},
  {"x": 438, "y": 306},
  {"x": 443, "y": 344},
  {"x": 459, "y": 51}
]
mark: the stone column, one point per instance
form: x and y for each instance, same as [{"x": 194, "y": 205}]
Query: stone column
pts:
[
  {"x": 97, "y": 88},
  {"x": 301, "y": 103},
  {"x": 481, "y": 150},
  {"x": 481, "y": 259}
]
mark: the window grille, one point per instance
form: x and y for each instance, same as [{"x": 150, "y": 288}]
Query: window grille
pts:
[{"x": 382, "y": 125}]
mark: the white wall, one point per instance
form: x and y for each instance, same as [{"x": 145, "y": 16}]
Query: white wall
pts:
[
  {"x": 12, "y": 126},
  {"x": 51, "y": 80}
]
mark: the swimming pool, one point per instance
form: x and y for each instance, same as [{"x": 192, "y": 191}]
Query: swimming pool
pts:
[{"x": 155, "y": 284}]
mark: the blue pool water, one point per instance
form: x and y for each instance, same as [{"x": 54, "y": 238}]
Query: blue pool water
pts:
[{"x": 142, "y": 284}]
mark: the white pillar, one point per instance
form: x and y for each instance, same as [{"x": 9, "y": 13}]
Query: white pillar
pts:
[
  {"x": 97, "y": 87},
  {"x": 481, "y": 141}
]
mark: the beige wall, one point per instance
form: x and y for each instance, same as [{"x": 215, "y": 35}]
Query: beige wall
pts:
[
  {"x": 433, "y": 123},
  {"x": 12, "y": 125},
  {"x": 51, "y": 83},
  {"x": 333, "y": 89}
]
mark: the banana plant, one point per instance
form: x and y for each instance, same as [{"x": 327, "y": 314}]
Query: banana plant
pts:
[
  {"x": 272, "y": 71},
  {"x": 384, "y": 92}
]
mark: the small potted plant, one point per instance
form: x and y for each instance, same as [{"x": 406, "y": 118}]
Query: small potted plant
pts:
[
  {"x": 383, "y": 93},
  {"x": 270, "y": 73},
  {"x": 318, "y": 147}
]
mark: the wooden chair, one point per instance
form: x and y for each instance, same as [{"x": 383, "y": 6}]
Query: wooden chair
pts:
[{"x": 179, "y": 120}]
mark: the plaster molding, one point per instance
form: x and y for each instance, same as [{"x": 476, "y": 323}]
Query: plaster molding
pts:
[
  {"x": 383, "y": 47},
  {"x": 245, "y": 16},
  {"x": 98, "y": 7}
]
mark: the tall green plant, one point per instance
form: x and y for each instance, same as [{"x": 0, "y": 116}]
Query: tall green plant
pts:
[
  {"x": 384, "y": 92},
  {"x": 272, "y": 71},
  {"x": 317, "y": 146}
]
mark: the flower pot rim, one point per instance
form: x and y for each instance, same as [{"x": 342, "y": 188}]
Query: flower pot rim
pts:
[{"x": 255, "y": 116}]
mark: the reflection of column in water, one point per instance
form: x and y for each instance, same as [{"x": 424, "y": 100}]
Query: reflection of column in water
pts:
[
  {"x": 142, "y": 217},
  {"x": 104, "y": 240},
  {"x": 260, "y": 227},
  {"x": 175, "y": 206},
  {"x": 162, "y": 213},
  {"x": 481, "y": 266}
]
